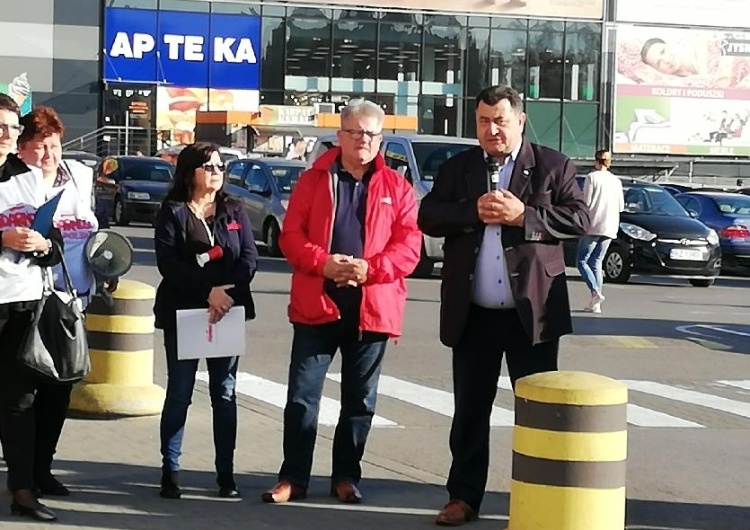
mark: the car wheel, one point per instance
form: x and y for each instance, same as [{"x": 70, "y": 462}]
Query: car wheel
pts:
[
  {"x": 616, "y": 266},
  {"x": 120, "y": 219},
  {"x": 701, "y": 283},
  {"x": 425, "y": 266},
  {"x": 271, "y": 238}
]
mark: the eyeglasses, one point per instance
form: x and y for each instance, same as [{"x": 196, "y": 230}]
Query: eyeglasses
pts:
[
  {"x": 213, "y": 167},
  {"x": 6, "y": 128},
  {"x": 359, "y": 133}
]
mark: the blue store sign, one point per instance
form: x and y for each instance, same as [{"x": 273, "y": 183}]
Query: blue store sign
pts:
[{"x": 182, "y": 49}]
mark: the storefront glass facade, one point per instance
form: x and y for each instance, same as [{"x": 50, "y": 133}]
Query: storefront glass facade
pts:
[{"x": 429, "y": 66}]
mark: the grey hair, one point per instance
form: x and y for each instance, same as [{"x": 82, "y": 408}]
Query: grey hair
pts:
[{"x": 363, "y": 108}]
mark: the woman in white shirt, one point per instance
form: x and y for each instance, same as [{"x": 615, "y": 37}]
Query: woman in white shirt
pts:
[
  {"x": 40, "y": 146},
  {"x": 23, "y": 253},
  {"x": 603, "y": 193}
]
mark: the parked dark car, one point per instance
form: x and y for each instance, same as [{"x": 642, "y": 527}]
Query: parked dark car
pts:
[
  {"x": 132, "y": 188},
  {"x": 263, "y": 186},
  {"x": 658, "y": 237},
  {"x": 729, "y": 215},
  {"x": 87, "y": 159}
]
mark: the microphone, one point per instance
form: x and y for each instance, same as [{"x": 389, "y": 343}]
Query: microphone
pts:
[{"x": 493, "y": 172}]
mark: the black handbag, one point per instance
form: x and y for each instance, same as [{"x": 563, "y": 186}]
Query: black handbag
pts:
[{"x": 55, "y": 348}]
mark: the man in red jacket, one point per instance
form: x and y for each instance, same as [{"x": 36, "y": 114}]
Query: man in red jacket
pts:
[{"x": 351, "y": 236}]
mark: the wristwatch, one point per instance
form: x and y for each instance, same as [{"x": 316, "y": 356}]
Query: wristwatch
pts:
[{"x": 45, "y": 252}]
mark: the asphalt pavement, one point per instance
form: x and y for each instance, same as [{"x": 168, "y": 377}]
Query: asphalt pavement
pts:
[{"x": 683, "y": 351}]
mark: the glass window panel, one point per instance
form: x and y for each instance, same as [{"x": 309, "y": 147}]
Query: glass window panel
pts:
[
  {"x": 545, "y": 65},
  {"x": 134, "y": 4},
  {"x": 477, "y": 60},
  {"x": 355, "y": 49},
  {"x": 580, "y": 125},
  {"x": 479, "y": 22},
  {"x": 308, "y": 49},
  {"x": 470, "y": 120},
  {"x": 399, "y": 53},
  {"x": 305, "y": 99},
  {"x": 308, "y": 12},
  {"x": 443, "y": 57},
  {"x": 233, "y": 8},
  {"x": 184, "y": 5},
  {"x": 543, "y": 123},
  {"x": 273, "y": 34},
  {"x": 269, "y": 97},
  {"x": 508, "y": 59},
  {"x": 273, "y": 11},
  {"x": 510, "y": 23},
  {"x": 440, "y": 115},
  {"x": 582, "y": 55}
]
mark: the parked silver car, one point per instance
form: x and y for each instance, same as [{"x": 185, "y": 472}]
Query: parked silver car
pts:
[
  {"x": 418, "y": 158},
  {"x": 263, "y": 186}
]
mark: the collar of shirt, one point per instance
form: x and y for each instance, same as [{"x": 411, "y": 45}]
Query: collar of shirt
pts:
[
  {"x": 62, "y": 178},
  {"x": 513, "y": 154},
  {"x": 343, "y": 173}
]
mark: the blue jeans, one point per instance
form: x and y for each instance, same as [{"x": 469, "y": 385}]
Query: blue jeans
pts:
[
  {"x": 591, "y": 252},
  {"x": 313, "y": 350},
  {"x": 222, "y": 374}
]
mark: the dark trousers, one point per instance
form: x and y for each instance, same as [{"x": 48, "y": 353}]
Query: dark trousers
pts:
[
  {"x": 476, "y": 369},
  {"x": 313, "y": 350},
  {"x": 17, "y": 389},
  {"x": 50, "y": 410},
  {"x": 222, "y": 377}
]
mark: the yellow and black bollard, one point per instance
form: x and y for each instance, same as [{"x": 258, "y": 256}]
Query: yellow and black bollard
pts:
[
  {"x": 569, "y": 453},
  {"x": 121, "y": 344}
]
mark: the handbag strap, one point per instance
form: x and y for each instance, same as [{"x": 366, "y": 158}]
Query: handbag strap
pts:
[{"x": 69, "y": 289}]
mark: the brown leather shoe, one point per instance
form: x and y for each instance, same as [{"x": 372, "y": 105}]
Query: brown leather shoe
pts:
[
  {"x": 284, "y": 491},
  {"x": 456, "y": 513},
  {"x": 346, "y": 492}
]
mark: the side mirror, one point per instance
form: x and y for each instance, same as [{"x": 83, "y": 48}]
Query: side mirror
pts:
[{"x": 693, "y": 214}]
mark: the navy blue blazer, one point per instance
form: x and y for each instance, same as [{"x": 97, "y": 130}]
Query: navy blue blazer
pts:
[{"x": 185, "y": 285}]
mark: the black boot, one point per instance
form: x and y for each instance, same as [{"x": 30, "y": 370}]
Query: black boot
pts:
[
  {"x": 170, "y": 484},
  {"x": 227, "y": 486}
]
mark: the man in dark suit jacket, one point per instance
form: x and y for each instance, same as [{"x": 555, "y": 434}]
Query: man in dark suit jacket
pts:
[{"x": 503, "y": 209}]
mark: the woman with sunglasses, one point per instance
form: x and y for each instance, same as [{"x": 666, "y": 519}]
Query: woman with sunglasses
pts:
[{"x": 207, "y": 258}]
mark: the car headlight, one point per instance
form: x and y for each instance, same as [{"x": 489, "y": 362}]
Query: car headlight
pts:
[
  {"x": 636, "y": 232},
  {"x": 713, "y": 237},
  {"x": 139, "y": 196}
]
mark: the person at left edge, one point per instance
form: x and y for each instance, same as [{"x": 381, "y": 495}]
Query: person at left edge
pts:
[
  {"x": 23, "y": 252},
  {"x": 198, "y": 218},
  {"x": 40, "y": 146}
]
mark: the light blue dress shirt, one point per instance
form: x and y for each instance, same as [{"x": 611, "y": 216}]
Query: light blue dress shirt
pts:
[{"x": 491, "y": 285}]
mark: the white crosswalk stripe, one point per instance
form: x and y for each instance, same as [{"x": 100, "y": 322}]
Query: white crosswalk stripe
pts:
[{"x": 694, "y": 409}]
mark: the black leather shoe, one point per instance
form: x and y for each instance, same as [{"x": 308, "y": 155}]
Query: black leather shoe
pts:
[
  {"x": 49, "y": 485},
  {"x": 170, "y": 486},
  {"x": 227, "y": 486},
  {"x": 39, "y": 512}
]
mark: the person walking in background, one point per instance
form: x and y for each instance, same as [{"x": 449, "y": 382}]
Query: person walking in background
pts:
[
  {"x": 350, "y": 234},
  {"x": 604, "y": 196},
  {"x": 503, "y": 208},
  {"x": 40, "y": 146},
  {"x": 197, "y": 218},
  {"x": 23, "y": 253}
]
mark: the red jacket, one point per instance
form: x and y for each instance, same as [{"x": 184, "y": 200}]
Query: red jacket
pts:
[{"x": 392, "y": 246}]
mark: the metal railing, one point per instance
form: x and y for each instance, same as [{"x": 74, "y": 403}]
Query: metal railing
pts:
[{"x": 117, "y": 140}]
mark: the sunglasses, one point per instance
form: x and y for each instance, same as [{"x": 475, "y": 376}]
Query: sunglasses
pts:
[{"x": 213, "y": 167}]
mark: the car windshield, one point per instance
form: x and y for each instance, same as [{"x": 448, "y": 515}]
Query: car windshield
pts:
[
  {"x": 430, "y": 156},
  {"x": 148, "y": 170},
  {"x": 286, "y": 176},
  {"x": 652, "y": 200},
  {"x": 733, "y": 205}
]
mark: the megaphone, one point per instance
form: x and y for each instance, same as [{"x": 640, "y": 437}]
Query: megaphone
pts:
[{"x": 110, "y": 255}]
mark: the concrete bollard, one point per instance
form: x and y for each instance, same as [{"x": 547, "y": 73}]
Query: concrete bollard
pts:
[
  {"x": 569, "y": 453},
  {"x": 121, "y": 344}
]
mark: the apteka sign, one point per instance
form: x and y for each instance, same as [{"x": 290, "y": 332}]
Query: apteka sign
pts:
[{"x": 182, "y": 49}]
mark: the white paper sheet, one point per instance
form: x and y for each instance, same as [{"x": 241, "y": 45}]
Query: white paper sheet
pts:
[{"x": 197, "y": 339}]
